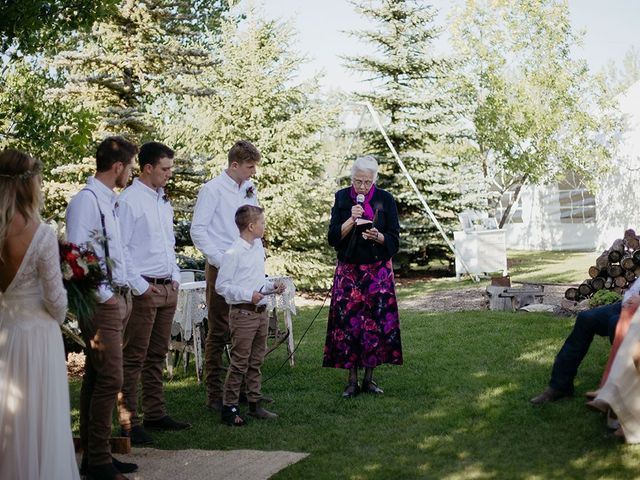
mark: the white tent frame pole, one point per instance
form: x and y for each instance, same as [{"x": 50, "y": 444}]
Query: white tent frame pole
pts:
[{"x": 433, "y": 218}]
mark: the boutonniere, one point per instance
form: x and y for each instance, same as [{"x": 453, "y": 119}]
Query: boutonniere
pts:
[
  {"x": 249, "y": 192},
  {"x": 165, "y": 197}
]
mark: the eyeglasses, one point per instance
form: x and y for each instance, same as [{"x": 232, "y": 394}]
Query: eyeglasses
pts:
[{"x": 362, "y": 183}]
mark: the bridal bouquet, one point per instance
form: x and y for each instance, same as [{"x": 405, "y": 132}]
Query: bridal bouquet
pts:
[{"x": 81, "y": 275}]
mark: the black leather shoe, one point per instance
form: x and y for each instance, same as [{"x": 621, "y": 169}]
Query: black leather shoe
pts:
[
  {"x": 104, "y": 472},
  {"x": 549, "y": 395},
  {"x": 137, "y": 435},
  {"x": 124, "y": 467},
  {"x": 351, "y": 390},
  {"x": 369, "y": 386},
  {"x": 166, "y": 423},
  {"x": 215, "y": 406}
]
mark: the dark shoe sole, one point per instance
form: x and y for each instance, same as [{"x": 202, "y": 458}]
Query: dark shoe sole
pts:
[{"x": 167, "y": 429}]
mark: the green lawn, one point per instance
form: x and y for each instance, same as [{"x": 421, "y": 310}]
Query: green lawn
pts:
[
  {"x": 524, "y": 267},
  {"x": 457, "y": 409}
]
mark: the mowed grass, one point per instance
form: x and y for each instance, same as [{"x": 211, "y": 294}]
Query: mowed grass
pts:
[
  {"x": 457, "y": 409},
  {"x": 523, "y": 266}
]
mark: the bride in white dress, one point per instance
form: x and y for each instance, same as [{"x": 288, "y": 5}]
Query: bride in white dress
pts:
[{"x": 35, "y": 431}]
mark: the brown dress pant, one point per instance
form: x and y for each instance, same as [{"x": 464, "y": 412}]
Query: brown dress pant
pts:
[
  {"x": 102, "y": 377},
  {"x": 146, "y": 343},
  {"x": 217, "y": 337},
  {"x": 248, "y": 348}
]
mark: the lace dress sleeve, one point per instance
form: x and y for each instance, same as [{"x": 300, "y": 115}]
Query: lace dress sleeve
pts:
[{"x": 48, "y": 271}]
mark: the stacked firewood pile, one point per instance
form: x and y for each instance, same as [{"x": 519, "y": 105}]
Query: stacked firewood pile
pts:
[{"x": 615, "y": 269}]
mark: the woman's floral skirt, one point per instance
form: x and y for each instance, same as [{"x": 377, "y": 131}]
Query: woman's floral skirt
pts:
[{"x": 363, "y": 328}]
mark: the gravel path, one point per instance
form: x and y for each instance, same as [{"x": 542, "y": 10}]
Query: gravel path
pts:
[{"x": 465, "y": 299}]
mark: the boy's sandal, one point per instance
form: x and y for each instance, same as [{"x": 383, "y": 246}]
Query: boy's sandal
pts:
[{"x": 231, "y": 417}]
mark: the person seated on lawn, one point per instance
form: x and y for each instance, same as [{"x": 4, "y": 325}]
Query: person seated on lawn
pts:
[
  {"x": 601, "y": 321},
  {"x": 241, "y": 281}
]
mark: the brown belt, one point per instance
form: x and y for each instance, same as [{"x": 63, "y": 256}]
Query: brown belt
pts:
[
  {"x": 250, "y": 307},
  {"x": 120, "y": 289},
  {"x": 157, "y": 281}
]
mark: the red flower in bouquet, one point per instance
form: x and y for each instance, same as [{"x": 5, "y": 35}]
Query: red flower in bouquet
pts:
[{"x": 81, "y": 275}]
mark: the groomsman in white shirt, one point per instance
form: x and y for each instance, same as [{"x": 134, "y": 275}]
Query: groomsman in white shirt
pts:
[
  {"x": 213, "y": 231},
  {"x": 146, "y": 223},
  {"x": 92, "y": 219}
]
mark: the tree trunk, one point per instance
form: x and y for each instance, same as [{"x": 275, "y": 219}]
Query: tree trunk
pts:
[
  {"x": 585, "y": 289},
  {"x": 602, "y": 261},
  {"x": 516, "y": 196},
  {"x": 627, "y": 263},
  {"x": 597, "y": 284},
  {"x": 620, "y": 281},
  {"x": 571, "y": 294},
  {"x": 615, "y": 271}
]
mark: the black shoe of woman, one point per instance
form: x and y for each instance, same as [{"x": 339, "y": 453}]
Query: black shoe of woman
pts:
[
  {"x": 369, "y": 386},
  {"x": 351, "y": 390}
]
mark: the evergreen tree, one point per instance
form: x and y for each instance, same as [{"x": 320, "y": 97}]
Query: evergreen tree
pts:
[
  {"x": 419, "y": 116},
  {"x": 30, "y": 26},
  {"x": 147, "y": 49},
  {"x": 258, "y": 98},
  {"x": 52, "y": 131},
  {"x": 130, "y": 68}
]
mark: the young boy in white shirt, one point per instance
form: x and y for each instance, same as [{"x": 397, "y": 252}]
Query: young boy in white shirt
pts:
[{"x": 241, "y": 281}]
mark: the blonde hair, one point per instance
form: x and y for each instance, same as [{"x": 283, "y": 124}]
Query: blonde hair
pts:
[{"x": 19, "y": 189}]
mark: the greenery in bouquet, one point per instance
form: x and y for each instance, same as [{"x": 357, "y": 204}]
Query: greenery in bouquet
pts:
[{"x": 81, "y": 275}]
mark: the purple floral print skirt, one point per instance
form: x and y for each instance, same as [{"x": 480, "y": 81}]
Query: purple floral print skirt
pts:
[{"x": 363, "y": 328}]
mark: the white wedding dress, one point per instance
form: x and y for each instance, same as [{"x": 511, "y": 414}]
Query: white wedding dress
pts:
[
  {"x": 35, "y": 430},
  {"x": 622, "y": 388}
]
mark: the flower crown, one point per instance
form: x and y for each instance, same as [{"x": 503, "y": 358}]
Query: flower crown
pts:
[{"x": 22, "y": 176}]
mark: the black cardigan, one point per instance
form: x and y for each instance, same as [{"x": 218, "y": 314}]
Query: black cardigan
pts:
[{"x": 365, "y": 251}]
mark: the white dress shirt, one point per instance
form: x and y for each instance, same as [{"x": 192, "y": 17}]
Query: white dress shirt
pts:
[
  {"x": 213, "y": 228},
  {"x": 242, "y": 273},
  {"x": 146, "y": 224},
  {"x": 83, "y": 225}
]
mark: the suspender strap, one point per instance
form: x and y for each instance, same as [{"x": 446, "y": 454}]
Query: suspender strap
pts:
[{"x": 105, "y": 242}]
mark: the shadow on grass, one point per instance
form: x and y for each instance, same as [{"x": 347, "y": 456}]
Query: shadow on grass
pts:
[
  {"x": 549, "y": 267},
  {"x": 457, "y": 409}
]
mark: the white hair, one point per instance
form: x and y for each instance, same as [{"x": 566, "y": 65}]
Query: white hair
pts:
[{"x": 366, "y": 164}]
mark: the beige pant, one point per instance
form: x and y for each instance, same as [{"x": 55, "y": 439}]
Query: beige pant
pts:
[
  {"x": 248, "y": 348},
  {"x": 146, "y": 343},
  {"x": 102, "y": 377}
]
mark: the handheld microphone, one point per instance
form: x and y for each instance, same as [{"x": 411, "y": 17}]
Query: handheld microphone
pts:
[{"x": 360, "y": 199}]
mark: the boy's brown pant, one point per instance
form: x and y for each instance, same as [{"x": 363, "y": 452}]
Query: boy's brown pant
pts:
[
  {"x": 217, "y": 337},
  {"x": 102, "y": 377},
  {"x": 248, "y": 348},
  {"x": 146, "y": 342}
]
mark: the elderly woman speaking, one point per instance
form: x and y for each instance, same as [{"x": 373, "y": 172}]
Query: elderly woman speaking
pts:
[{"x": 363, "y": 329}]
